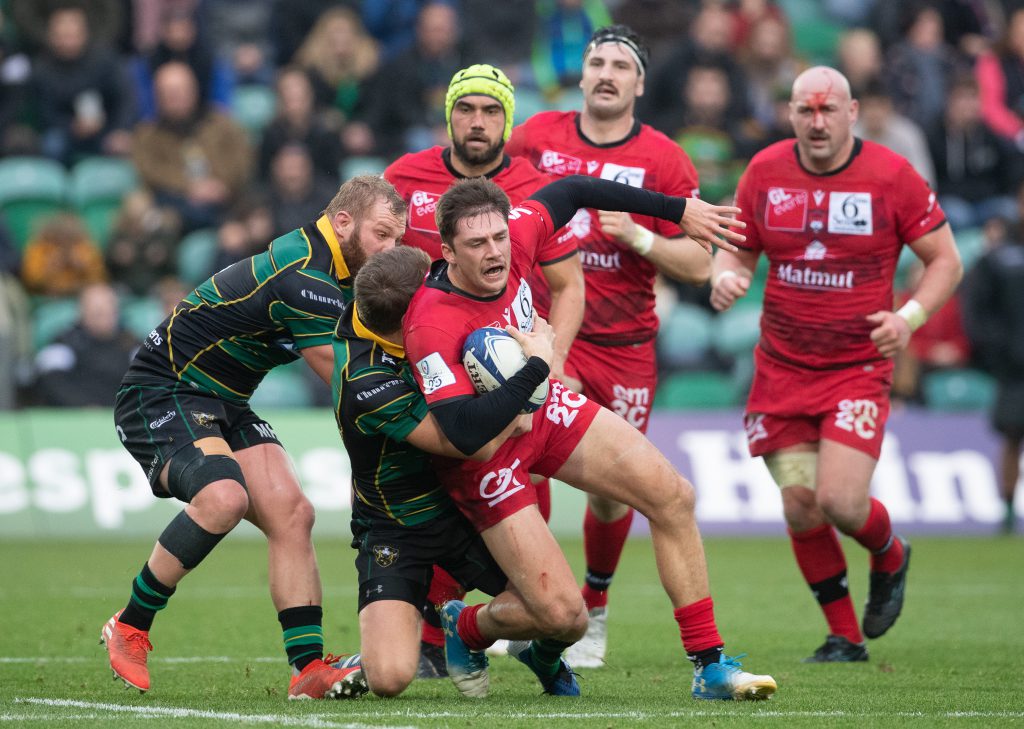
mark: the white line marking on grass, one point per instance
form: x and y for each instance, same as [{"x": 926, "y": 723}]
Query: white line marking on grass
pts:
[
  {"x": 170, "y": 712},
  {"x": 152, "y": 659}
]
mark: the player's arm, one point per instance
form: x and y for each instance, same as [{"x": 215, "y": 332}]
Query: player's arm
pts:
[
  {"x": 943, "y": 270},
  {"x": 678, "y": 258},
  {"x": 321, "y": 360},
  {"x": 428, "y": 436},
  {"x": 565, "y": 280},
  {"x": 707, "y": 224}
]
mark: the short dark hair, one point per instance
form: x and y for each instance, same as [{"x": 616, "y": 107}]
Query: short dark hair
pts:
[
  {"x": 467, "y": 199},
  {"x": 385, "y": 285},
  {"x": 361, "y": 193},
  {"x": 621, "y": 34}
]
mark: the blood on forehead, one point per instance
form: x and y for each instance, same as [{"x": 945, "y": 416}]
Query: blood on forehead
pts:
[{"x": 829, "y": 95}]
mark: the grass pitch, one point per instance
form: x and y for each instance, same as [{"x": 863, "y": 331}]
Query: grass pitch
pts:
[{"x": 955, "y": 659}]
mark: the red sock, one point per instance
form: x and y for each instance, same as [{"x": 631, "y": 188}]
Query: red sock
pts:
[
  {"x": 697, "y": 626},
  {"x": 469, "y": 630},
  {"x": 602, "y": 545},
  {"x": 443, "y": 587},
  {"x": 876, "y": 536},
  {"x": 543, "y": 489},
  {"x": 823, "y": 565}
]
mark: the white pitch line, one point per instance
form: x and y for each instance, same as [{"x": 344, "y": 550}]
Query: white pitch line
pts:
[
  {"x": 152, "y": 659},
  {"x": 165, "y": 712}
]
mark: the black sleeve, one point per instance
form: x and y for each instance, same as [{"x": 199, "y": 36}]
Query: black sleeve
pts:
[
  {"x": 469, "y": 423},
  {"x": 564, "y": 197}
]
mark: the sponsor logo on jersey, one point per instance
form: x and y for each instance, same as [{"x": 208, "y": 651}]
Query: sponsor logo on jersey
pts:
[
  {"x": 600, "y": 261},
  {"x": 785, "y": 209},
  {"x": 859, "y": 417},
  {"x": 367, "y": 394},
  {"x": 165, "y": 418},
  {"x": 810, "y": 278},
  {"x": 849, "y": 213},
  {"x": 581, "y": 223},
  {"x": 422, "y": 206},
  {"x": 434, "y": 373},
  {"x": 592, "y": 166},
  {"x": 384, "y": 555},
  {"x": 754, "y": 425},
  {"x": 522, "y": 308},
  {"x": 559, "y": 164},
  {"x": 632, "y": 176},
  {"x": 265, "y": 431},
  {"x": 816, "y": 251},
  {"x": 499, "y": 485},
  {"x": 203, "y": 420},
  {"x": 320, "y": 298},
  {"x": 819, "y": 195}
]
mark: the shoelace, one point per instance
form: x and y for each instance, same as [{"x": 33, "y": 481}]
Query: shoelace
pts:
[
  {"x": 733, "y": 662},
  {"x": 141, "y": 638}
]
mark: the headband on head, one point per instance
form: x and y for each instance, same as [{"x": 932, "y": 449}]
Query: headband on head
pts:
[
  {"x": 486, "y": 80},
  {"x": 629, "y": 45}
]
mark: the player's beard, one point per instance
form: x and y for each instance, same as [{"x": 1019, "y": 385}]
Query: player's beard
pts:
[
  {"x": 352, "y": 250},
  {"x": 478, "y": 159}
]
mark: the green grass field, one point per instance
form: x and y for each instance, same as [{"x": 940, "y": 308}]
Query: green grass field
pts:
[{"x": 956, "y": 658}]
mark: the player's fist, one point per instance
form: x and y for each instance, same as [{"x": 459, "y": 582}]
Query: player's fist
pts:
[
  {"x": 711, "y": 225},
  {"x": 891, "y": 333},
  {"x": 619, "y": 226},
  {"x": 538, "y": 343},
  {"x": 728, "y": 286}
]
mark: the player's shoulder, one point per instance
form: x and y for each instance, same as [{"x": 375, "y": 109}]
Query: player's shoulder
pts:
[
  {"x": 292, "y": 249},
  {"x": 550, "y": 120},
  {"x": 655, "y": 139},
  {"x": 882, "y": 160},
  {"x": 413, "y": 164},
  {"x": 781, "y": 151},
  {"x": 521, "y": 176}
]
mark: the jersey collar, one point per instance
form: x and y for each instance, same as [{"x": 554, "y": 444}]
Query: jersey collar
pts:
[
  {"x": 446, "y": 157},
  {"x": 858, "y": 144},
  {"x": 327, "y": 231},
  {"x": 635, "y": 130},
  {"x": 395, "y": 350}
]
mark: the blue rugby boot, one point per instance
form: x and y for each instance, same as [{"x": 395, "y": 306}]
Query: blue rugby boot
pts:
[
  {"x": 725, "y": 680},
  {"x": 467, "y": 669},
  {"x": 561, "y": 683}
]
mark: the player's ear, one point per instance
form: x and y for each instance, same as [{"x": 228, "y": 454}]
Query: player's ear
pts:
[
  {"x": 343, "y": 224},
  {"x": 640, "y": 86},
  {"x": 448, "y": 252},
  {"x": 854, "y": 110}
]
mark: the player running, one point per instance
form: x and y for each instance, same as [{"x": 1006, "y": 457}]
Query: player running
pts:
[
  {"x": 832, "y": 213},
  {"x": 183, "y": 413}
]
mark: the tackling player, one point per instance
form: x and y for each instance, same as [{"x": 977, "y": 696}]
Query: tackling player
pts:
[
  {"x": 832, "y": 213},
  {"x": 614, "y": 353},
  {"x": 183, "y": 413}
]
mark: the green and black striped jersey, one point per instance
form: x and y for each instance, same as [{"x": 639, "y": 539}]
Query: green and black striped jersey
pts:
[
  {"x": 377, "y": 405},
  {"x": 250, "y": 317}
]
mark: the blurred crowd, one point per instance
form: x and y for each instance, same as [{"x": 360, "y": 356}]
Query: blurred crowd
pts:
[{"x": 145, "y": 144}]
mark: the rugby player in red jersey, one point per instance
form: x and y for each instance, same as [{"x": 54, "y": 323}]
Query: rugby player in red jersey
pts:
[
  {"x": 479, "y": 107},
  {"x": 614, "y": 352},
  {"x": 832, "y": 213},
  {"x": 488, "y": 253}
]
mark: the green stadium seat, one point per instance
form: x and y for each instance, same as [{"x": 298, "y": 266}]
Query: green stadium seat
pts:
[
  {"x": 52, "y": 317},
  {"x": 97, "y": 186},
  {"x": 958, "y": 389},
  {"x": 284, "y": 387},
  {"x": 253, "y": 106},
  {"x": 735, "y": 332},
  {"x": 971, "y": 244},
  {"x": 707, "y": 390},
  {"x": 684, "y": 337},
  {"x": 361, "y": 166},
  {"x": 528, "y": 103},
  {"x": 31, "y": 188},
  {"x": 196, "y": 254},
  {"x": 141, "y": 315},
  {"x": 815, "y": 39}
]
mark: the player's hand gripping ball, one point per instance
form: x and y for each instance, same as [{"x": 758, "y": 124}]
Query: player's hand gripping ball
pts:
[{"x": 491, "y": 356}]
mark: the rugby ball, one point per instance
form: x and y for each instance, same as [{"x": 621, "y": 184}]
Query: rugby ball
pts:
[{"x": 491, "y": 356}]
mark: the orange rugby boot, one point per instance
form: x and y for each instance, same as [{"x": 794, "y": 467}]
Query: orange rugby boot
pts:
[{"x": 127, "y": 648}]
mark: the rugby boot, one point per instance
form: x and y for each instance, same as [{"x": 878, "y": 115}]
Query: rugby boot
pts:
[
  {"x": 726, "y": 680},
  {"x": 466, "y": 668},
  {"x": 319, "y": 680},
  {"x": 885, "y": 597},
  {"x": 561, "y": 683},
  {"x": 432, "y": 663},
  {"x": 837, "y": 649},
  {"x": 127, "y": 648},
  {"x": 588, "y": 651}
]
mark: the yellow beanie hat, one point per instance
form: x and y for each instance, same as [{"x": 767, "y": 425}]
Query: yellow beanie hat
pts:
[{"x": 484, "y": 79}]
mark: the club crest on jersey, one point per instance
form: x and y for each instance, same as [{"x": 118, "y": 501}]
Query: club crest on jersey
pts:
[
  {"x": 816, "y": 251},
  {"x": 819, "y": 196},
  {"x": 785, "y": 209},
  {"x": 384, "y": 555},
  {"x": 559, "y": 164},
  {"x": 632, "y": 176},
  {"x": 592, "y": 166},
  {"x": 849, "y": 213},
  {"x": 203, "y": 420},
  {"x": 422, "y": 206}
]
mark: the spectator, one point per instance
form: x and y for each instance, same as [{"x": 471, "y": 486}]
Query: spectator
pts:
[
  {"x": 500, "y": 34},
  {"x": 748, "y": 14},
  {"x": 975, "y": 165},
  {"x": 61, "y": 260},
  {"x": 406, "y": 108},
  {"x": 860, "y": 58},
  {"x": 246, "y": 231},
  {"x": 1000, "y": 77},
  {"x": 106, "y": 20},
  {"x": 15, "y": 340},
  {"x": 291, "y": 22},
  {"x": 339, "y": 56},
  {"x": 920, "y": 67},
  {"x": 16, "y": 136},
  {"x": 297, "y": 194},
  {"x": 240, "y": 29},
  {"x": 879, "y": 122},
  {"x": 83, "y": 366},
  {"x": 564, "y": 28},
  {"x": 193, "y": 159},
  {"x": 298, "y": 121},
  {"x": 143, "y": 243},
  {"x": 182, "y": 42},
  {"x": 769, "y": 65},
  {"x": 393, "y": 23},
  {"x": 83, "y": 99},
  {"x": 148, "y": 18}
]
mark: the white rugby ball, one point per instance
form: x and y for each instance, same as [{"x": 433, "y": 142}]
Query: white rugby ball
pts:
[{"x": 491, "y": 356}]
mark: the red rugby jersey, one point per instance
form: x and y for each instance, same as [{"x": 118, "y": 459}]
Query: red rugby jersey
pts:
[
  {"x": 832, "y": 241},
  {"x": 440, "y": 317},
  {"x": 422, "y": 177},
  {"x": 620, "y": 282}
]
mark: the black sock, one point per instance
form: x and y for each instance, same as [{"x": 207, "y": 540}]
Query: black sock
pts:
[
  {"x": 706, "y": 656},
  {"x": 303, "y": 634},
  {"x": 149, "y": 595}
]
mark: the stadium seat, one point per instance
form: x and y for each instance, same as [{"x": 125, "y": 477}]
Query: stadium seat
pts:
[
  {"x": 361, "y": 166},
  {"x": 971, "y": 244},
  {"x": 52, "y": 317},
  {"x": 735, "y": 332},
  {"x": 141, "y": 315},
  {"x": 283, "y": 387},
  {"x": 97, "y": 186},
  {"x": 958, "y": 389},
  {"x": 705, "y": 390},
  {"x": 684, "y": 337},
  {"x": 570, "y": 99},
  {"x": 196, "y": 254},
  {"x": 31, "y": 188},
  {"x": 816, "y": 39},
  {"x": 528, "y": 103},
  {"x": 252, "y": 106}
]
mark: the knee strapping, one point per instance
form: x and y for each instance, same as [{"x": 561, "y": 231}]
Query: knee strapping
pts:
[
  {"x": 188, "y": 542},
  {"x": 191, "y": 471},
  {"x": 795, "y": 468}
]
